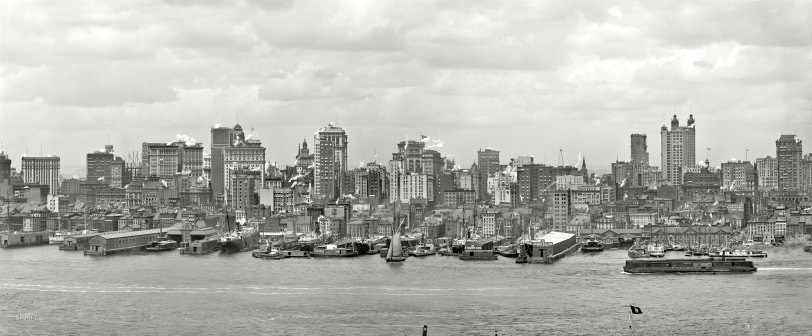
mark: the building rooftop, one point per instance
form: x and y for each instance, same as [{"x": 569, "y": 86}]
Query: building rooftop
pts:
[
  {"x": 129, "y": 233},
  {"x": 556, "y": 237}
]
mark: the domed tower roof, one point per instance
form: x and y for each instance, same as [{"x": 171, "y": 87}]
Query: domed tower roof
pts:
[
  {"x": 674, "y": 122},
  {"x": 237, "y": 127},
  {"x": 304, "y": 143}
]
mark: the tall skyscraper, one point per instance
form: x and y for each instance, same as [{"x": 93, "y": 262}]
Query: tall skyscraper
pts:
[
  {"x": 678, "y": 149},
  {"x": 330, "y": 163},
  {"x": 243, "y": 154},
  {"x": 639, "y": 149},
  {"x": 788, "y": 150},
  {"x": 767, "y": 168},
  {"x": 5, "y": 167},
  {"x": 42, "y": 170},
  {"x": 806, "y": 166},
  {"x": 98, "y": 166},
  {"x": 411, "y": 172},
  {"x": 220, "y": 137},
  {"x": 488, "y": 163}
]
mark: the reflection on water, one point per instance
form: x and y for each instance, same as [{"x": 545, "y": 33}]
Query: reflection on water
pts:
[{"x": 217, "y": 294}]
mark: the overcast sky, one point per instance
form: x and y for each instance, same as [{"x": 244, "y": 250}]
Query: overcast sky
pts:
[{"x": 526, "y": 78}]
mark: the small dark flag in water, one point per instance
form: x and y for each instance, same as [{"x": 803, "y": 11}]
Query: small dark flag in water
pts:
[{"x": 636, "y": 310}]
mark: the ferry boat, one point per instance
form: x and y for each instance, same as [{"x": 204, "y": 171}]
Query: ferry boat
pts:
[
  {"x": 162, "y": 245},
  {"x": 712, "y": 265},
  {"x": 477, "y": 254},
  {"x": 548, "y": 248},
  {"x": 332, "y": 251},
  {"x": 592, "y": 245}
]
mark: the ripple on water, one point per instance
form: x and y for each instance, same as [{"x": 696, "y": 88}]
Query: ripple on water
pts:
[{"x": 217, "y": 294}]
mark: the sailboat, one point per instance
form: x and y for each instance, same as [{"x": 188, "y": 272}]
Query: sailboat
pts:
[{"x": 395, "y": 253}]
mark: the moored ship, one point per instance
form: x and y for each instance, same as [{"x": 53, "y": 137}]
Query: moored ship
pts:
[
  {"x": 656, "y": 251},
  {"x": 242, "y": 238},
  {"x": 332, "y": 251},
  {"x": 592, "y": 244},
  {"x": 712, "y": 265},
  {"x": 58, "y": 237},
  {"x": 238, "y": 241},
  {"x": 638, "y": 251},
  {"x": 161, "y": 245},
  {"x": 477, "y": 254},
  {"x": 548, "y": 249}
]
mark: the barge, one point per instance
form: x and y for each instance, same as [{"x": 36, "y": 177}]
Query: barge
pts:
[
  {"x": 332, "y": 251},
  {"x": 712, "y": 265},
  {"x": 548, "y": 249},
  {"x": 477, "y": 254}
]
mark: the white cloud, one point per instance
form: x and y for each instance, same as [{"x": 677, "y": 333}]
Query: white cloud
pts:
[{"x": 515, "y": 74}]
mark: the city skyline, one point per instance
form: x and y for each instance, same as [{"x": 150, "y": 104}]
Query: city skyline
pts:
[
  {"x": 76, "y": 166},
  {"x": 526, "y": 78}
]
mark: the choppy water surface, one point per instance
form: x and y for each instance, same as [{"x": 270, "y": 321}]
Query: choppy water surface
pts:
[{"x": 44, "y": 291}]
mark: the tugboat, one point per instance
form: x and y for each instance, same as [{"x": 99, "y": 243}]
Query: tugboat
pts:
[
  {"x": 424, "y": 250},
  {"x": 508, "y": 251},
  {"x": 592, "y": 244},
  {"x": 637, "y": 251},
  {"x": 162, "y": 245}
]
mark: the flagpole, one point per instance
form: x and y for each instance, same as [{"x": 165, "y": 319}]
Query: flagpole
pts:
[{"x": 630, "y": 321}]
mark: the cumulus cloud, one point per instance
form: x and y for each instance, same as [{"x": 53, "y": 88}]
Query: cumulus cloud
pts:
[{"x": 547, "y": 72}]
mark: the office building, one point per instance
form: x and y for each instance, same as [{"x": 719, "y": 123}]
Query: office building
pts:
[
  {"x": 788, "y": 150},
  {"x": 488, "y": 163},
  {"x": 221, "y": 137},
  {"x": 678, "y": 150},
  {"x": 639, "y": 149},
  {"x": 329, "y": 163},
  {"x": 738, "y": 176},
  {"x": 42, "y": 170},
  {"x": 242, "y": 154},
  {"x": 767, "y": 168}
]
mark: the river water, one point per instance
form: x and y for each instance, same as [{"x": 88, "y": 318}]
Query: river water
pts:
[{"x": 44, "y": 291}]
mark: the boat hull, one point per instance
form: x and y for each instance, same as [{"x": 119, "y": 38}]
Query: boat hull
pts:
[
  {"x": 478, "y": 255},
  {"x": 396, "y": 259},
  {"x": 243, "y": 243},
  {"x": 591, "y": 248},
  {"x": 553, "y": 246},
  {"x": 724, "y": 265}
]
